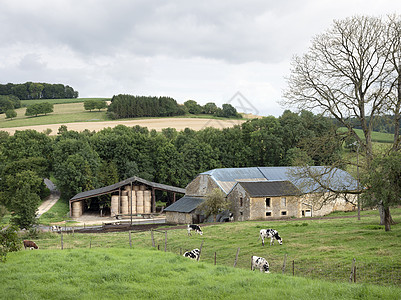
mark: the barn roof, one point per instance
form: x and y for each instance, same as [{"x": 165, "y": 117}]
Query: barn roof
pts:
[
  {"x": 185, "y": 204},
  {"x": 305, "y": 179},
  {"x": 118, "y": 185},
  {"x": 270, "y": 188}
]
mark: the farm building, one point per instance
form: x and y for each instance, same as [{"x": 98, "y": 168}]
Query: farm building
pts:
[
  {"x": 262, "y": 193},
  {"x": 134, "y": 196}
]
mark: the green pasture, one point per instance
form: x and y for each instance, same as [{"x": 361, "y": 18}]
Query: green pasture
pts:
[
  {"x": 379, "y": 137},
  {"x": 63, "y": 113},
  {"x": 122, "y": 273},
  {"x": 317, "y": 248}
]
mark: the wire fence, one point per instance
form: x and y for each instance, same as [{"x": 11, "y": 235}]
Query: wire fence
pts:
[{"x": 352, "y": 271}]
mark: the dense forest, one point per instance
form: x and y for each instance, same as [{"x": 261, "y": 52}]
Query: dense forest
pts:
[
  {"x": 88, "y": 160},
  {"x": 129, "y": 106},
  {"x": 36, "y": 90}
]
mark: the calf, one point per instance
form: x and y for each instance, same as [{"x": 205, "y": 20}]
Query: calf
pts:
[
  {"x": 260, "y": 263},
  {"x": 194, "y": 254},
  {"x": 31, "y": 245},
  {"x": 195, "y": 228},
  {"x": 273, "y": 234}
]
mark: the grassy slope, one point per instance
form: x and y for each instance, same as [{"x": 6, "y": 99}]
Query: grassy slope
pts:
[
  {"x": 68, "y": 111},
  {"x": 321, "y": 248},
  {"x": 149, "y": 274},
  {"x": 380, "y": 137}
]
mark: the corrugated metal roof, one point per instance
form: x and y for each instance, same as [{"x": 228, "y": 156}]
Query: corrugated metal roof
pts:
[
  {"x": 116, "y": 186},
  {"x": 185, "y": 204},
  {"x": 227, "y": 178},
  {"x": 335, "y": 178},
  {"x": 270, "y": 188}
]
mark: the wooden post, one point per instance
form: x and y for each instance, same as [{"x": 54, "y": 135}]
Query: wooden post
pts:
[
  {"x": 200, "y": 251},
  {"x": 158, "y": 247},
  {"x": 293, "y": 268},
  {"x": 285, "y": 259},
  {"x": 351, "y": 277},
  {"x": 165, "y": 241},
  {"x": 153, "y": 238},
  {"x": 62, "y": 244},
  {"x": 236, "y": 257},
  {"x": 180, "y": 251},
  {"x": 215, "y": 258},
  {"x": 355, "y": 273},
  {"x": 130, "y": 243},
  {"x": 72, "y": 231}
]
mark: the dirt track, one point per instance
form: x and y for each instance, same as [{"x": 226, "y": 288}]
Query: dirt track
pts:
[{"x": 157, "y": 124}]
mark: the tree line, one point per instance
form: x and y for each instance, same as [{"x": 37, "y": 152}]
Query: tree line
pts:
[
  {"x": 129, "y": 106},
  {"x": 37, "y": 90},
  {"x": 88, "y": 160}
]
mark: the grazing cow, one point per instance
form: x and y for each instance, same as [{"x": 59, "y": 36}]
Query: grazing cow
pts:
[
  {"x": 194, "y": 254},
  {"x": 56, "y": 228},
  {"x": 273, "y": 234},
  {"x": 260, "y": 263},
  {"x": 31, "y": 245},
  {"x": 195, "y": 228}
]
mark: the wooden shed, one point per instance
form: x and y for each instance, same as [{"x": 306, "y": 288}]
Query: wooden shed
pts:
[{"x": 132, "y": 196}]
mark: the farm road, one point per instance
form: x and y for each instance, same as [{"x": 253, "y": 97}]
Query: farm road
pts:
[{"x": 49, "y": 201}]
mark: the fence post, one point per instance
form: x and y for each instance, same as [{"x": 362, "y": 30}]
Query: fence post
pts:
[
  {"x": 285, "y": 259},
  {"x": 130, "y": 241},
  {"x": 236, "y": 257},
  {"x": 180, "y": 251},
  {"x": 293, "y": 268},
  {"x": 153, "y": 239},
  {"x": 200, "y": 251},
  {"x": 351, "y": 277},
  {"x": 165, "y": 241},
  {"x": 215, "y": 258},
  {"x": 158, "y": 247},
  {"x": 72, "y": 231},
  {"x": 355, "y": 273},
  {"x": 62, "y": 244}
]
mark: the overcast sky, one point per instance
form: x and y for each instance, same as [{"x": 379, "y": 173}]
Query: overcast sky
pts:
[{"x": 206, "y": 51}]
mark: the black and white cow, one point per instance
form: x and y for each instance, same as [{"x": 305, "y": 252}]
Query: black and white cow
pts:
[
  {"x": 273, "y": 234},
  {"x": 260, "y": 263},
  {"x": 195, "y": 228},
  {"x": 194, "y": 254}
]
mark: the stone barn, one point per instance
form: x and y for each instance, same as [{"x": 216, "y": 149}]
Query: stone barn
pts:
[
  {"x": 132, "y": 196},
  {"x": 262, "y": 193}
]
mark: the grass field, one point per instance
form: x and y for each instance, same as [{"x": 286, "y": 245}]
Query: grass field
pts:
[
  {"x": 380, "y": 137},
  {"x": 104, "y": 266},
  {"x": 150, "y": 274},
  {"x": 318, "y": 248}
]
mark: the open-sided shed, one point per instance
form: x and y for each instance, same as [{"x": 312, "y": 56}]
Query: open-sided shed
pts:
[{"x": 131, "y": 196}]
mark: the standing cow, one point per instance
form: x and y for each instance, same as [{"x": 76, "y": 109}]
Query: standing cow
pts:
[
  {"x": 195, "y": 228},
  {"x": 194, "y": 254},
  {"x": 260, "y": 263},
  {"x": 30, "y": 244},
  {"x": 273, "y": 234}
]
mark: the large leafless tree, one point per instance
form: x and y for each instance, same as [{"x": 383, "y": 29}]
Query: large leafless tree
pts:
[{"x": 352, "y": 71}]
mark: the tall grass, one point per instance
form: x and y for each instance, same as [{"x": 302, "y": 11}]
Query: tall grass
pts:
[{"x": 148, "y": 274}]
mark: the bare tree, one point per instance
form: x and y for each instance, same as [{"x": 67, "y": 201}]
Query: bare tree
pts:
[{"x": 352, "y": 71}]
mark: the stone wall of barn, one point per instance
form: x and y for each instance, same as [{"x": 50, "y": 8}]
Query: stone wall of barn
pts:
[
  {"x": 202, "y": 185},
  {"x": 239, "y": 203},
  {"x": 178, "y": 218},
  {"x": 325, "y": 204}
]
